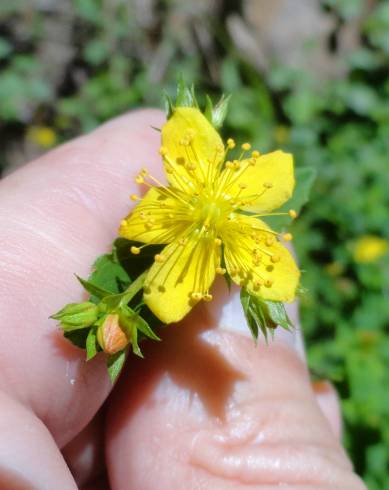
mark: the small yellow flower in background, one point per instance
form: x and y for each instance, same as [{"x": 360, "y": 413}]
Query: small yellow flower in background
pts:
[
  {"x": 369, "y": 248},
  {"x": 42, "y": 136},
  {"x": 203, "y": 218}
]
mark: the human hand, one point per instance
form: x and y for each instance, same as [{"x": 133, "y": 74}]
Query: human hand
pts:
[{"x": 205, "y": 409}]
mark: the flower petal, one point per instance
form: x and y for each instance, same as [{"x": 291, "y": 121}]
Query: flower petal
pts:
[
  {"x": 185, "y": 269},
  {"x": 263, "y": 183},
  {"x": 158, "y": 218},
  {"x": 256, "y": 260},
  {"x": 193, "y": 147}
]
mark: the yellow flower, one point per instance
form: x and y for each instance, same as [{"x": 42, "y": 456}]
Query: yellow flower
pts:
[
  {"x": 42, "y": 136},
  {"x": 203, "y": 216},
  {"x": 369, "y": 248}
]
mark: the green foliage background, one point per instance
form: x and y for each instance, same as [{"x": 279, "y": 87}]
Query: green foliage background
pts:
[{"x": 109, "y": 57}]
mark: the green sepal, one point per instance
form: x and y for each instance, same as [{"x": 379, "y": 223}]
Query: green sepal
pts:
[
  {"x": 77, "y": 315},
  {"x": 145, "y": 328},
  {"x": 262, "y": 315},
  {"x": 91, "y": 345},
  {"x": 134, "y": 342},
  {"x": 169, "y": 106},
  {"x": 115, "y": 363},
  {"x": 92, "y": 289},
  {"x": 216, "y": 114},
  {"x": 220, "y": 110},
  {"x": 185, "y": 96}
]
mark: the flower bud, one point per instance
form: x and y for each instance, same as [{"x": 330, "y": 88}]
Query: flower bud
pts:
[
  {"x": 77, "y": 315},
  {"x": 110, "y": 335}
]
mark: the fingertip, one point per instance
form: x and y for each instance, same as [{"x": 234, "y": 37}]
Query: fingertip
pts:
[{"x": 328, "y": 401}]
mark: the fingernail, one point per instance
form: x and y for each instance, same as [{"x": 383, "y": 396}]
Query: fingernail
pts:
[{"x": 226, "y": 313}]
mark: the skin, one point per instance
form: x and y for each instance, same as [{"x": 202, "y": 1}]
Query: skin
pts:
[{"x": 205, "y": 409}]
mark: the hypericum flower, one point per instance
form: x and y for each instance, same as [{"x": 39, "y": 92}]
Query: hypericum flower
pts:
[
  {"x": 369, "y": 248},
  {"x": 208, "y": 217}
]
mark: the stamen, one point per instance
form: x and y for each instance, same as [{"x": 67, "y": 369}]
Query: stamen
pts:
[
  {"x": 207, "y": 297},
  {"x": 135, "y": 250},
  {"x": 134, "y": 197},
  {"x": 292, "y": 213},
  {"x": 230, "y": 143},
  {"x": 196, "y": 296},
  {"x": 220, "y": 270},
  {"x": 287, "y": 237},
  {"x": 255, "y": 154},
  {"x": 159, "y": 258},
  {"x": 246, "y": 147}
]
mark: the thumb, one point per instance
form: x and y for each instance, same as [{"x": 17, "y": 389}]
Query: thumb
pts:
[{"x": 210, "y": 409}]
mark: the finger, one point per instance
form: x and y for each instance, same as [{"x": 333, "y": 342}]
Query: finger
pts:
[
  {"x": 85, "y": 453},
  {"x": 328, "y": 402},
  {"x": 57, "y": 214},
  {"x": 25, "y": 444},
  {"x": 209, "y": 409}
]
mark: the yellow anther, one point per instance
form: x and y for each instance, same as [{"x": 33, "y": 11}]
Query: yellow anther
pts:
[
  {"x": 135, "y": 250},
  {"x": 230, "y": 143},
  {"x": 269, "y": 241},
  {"x": 287, "y": 237},
  {"x": 236, "y": 164},
  {"x": 257, "y": 283},
  {"x": 191, "y": 166},
  {"x": 134, "y": 197},
  {"x": 229, "y": 165},
  {"x": 252, "y": 162},
  {"x": 269, "y": 283},
  {"x": 275, "y": 259},
  {"x": 220, "y": 148},
  {"x": 255, "y": 154},
  {"x": 161, "y": 288},
  {"x": 242, "y": 185},
  {"x": 149, "y": 225},
  {"x": 180, "y": 160},
  {"x": 196, "y": 296},
  {"x": 139, "y": 179},
  {"x": 144, "y": 172},
  {"x": 218, "y": 242},
  {"x": 184, "y": 142},
  {"x": 163, "y": 151},
  {"x": 246, "y": 147},
  {"x": 159, "y": 258},
  {"x": 267, "y": 185},
  {"x": 292, "y": 213},
  {"x": 183, "y": 241},
  {"x": 220, "y": 270},
  {"x": 207, "y": 297}
]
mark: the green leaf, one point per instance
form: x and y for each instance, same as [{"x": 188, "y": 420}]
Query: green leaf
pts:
[
  {"x": 115, "y": 364},
  {"x": 91, "y": 346},
  {"x": 109, "y": 274},
  {"x": 305, "y": 177},
  {"x": 77, "y": 337}
]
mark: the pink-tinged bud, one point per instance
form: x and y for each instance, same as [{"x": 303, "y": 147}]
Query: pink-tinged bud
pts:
[{"x": 110, "y": 336}]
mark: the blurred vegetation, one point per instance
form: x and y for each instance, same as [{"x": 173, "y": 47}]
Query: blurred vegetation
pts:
[{"x": 65, "y": 67}]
